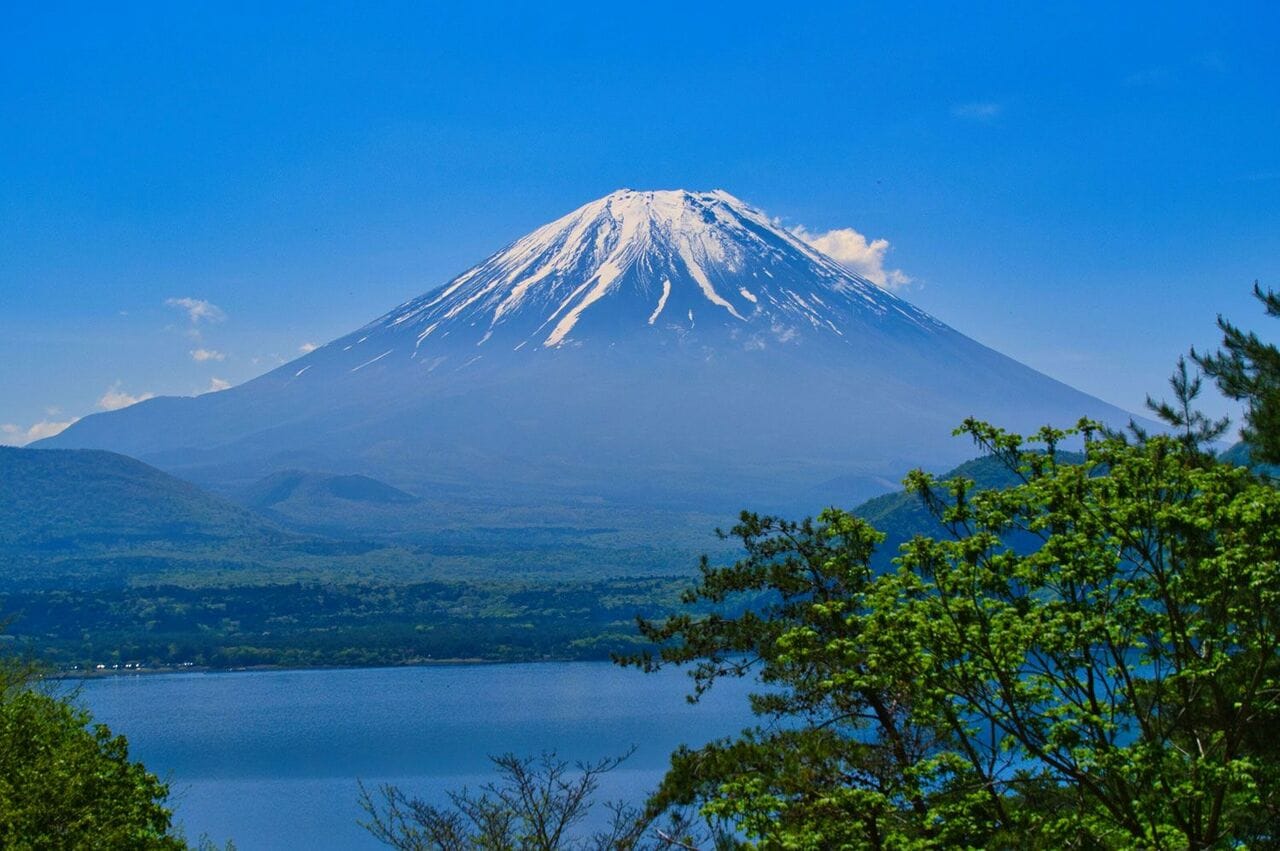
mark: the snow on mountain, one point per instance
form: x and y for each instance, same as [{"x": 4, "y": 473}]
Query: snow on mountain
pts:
[
  {"x": 662, "y": 253},
  {"x": 659, "y": 346},
  {"x": 633, "y": 265}
]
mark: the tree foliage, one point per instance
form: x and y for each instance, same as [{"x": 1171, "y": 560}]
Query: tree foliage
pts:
[
  {"x": 66, "y": 783},
  {"x": 1114, "y": 686},
  {"x": 1196, "y": 430},
  {"x": 1247, "y": 369}
]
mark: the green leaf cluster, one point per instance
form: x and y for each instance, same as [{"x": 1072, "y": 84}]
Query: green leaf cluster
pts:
[
  {"x": 1247, "y": 369},
  {"x": 66, "y": 783},
  {"x": 1115, "y": 686}
]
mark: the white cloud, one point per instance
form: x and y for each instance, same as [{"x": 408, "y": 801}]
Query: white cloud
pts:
[
  {"x": 852, "y": 250},
  {"x": 15, "y": 435},
  {"x": 115, "y": 398},
  {"x": 198, "y": 309},
  {"x": 307, "y": 348},
  {"x": 783, "y": 333},
  {"x": 982, "y": 110},
  {"x": 216, "y": 384},
  {"x": 202, "y": 355}
]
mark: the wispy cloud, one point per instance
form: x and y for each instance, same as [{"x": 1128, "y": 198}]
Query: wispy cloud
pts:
[
  {"x": 16, "y": 435},
  {"x": 115, "y": 398},
  {"x": 216, "y": 384},
  {"x": 857, "y": 254},
  {"x": 202, "y": 355},
  {"x": 978, "y": 110},
  {"x": 197, "y": 309},
  {"x": 307, "y": 348}
]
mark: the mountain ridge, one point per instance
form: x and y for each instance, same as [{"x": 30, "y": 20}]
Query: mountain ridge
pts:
[{"x": 650, "y": 347}]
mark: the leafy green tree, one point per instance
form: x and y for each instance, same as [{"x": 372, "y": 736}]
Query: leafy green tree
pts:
[
  {"x": 849, "y": 755},
  {"x": 1132, "y": 659},
  {"x": 1248, "y": 370},
  {"x": 1115, "y": 686},
  {"x": 66, "y": 783}
]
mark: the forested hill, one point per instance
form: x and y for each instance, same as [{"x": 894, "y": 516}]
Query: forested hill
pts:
[
  {"x": 60, "y": 499},
  {"x": 108, "y": 560},
  {"x": 1242, "y": 456},
  {"x": 903, "y": 515}
]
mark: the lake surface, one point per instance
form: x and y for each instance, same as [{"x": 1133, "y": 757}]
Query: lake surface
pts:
[{"x": 270, "y": 759}]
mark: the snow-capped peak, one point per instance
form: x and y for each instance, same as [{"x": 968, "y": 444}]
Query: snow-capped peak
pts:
[
  {"x": 659, "y": 348},
  {"x": 648, "y": 262}
]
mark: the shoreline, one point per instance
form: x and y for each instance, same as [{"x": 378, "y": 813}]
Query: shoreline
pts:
[{"x": 197, "y": 669}]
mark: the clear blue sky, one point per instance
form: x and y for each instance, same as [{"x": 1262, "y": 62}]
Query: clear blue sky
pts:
[{"x": 1083, "y": 189}]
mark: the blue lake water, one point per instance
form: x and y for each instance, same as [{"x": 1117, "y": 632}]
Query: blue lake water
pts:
[{"x": 270, "y": 759}]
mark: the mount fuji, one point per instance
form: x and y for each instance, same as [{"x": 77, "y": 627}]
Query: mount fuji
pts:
[{"x": 666, "y": 348}]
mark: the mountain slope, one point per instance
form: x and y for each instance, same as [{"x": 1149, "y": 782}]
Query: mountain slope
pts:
[
  {"x": 657, "y": 348},
  {"x": 1241, "y": 455},
  {"x": 58, "y": 499},
  {"x": 294, "y": 486},
  {"x": 90, "y": 519},
  {"x": 660, "y": 265}
]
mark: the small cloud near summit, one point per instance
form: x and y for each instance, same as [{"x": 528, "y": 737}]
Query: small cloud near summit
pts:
[
  {"x": 307, "y": 348},
  {"x": 860, "y": 256},
  {"x": 202, "y": 355},
  {"x": 115, "y": 398}
]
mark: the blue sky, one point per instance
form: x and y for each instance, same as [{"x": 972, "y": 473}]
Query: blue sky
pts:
[{"x": 1083, "y": 189}]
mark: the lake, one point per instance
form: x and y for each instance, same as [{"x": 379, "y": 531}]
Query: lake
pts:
[{"x": 270, "y": 759}]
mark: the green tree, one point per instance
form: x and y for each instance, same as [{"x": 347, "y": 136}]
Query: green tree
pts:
[
  {"x": 1196, "y": 431},
  {"x": 852, "y": 753},
  {"x": 1248, "y": 370},
  {"x": 1114, "y": 686},
  {"x": 66, "y": 783}
]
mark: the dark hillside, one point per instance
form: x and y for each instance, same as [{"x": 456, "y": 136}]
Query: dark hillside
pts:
[{"x": 67, "y": 499}]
